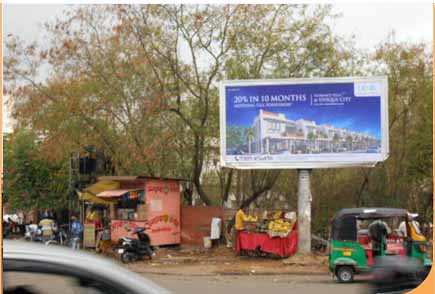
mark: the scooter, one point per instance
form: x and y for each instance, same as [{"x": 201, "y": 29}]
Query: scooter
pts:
[
  {"x": 33, "y": 233},
  {"x": 131, "y": 249},
  {"x": 59, "y": 237}
]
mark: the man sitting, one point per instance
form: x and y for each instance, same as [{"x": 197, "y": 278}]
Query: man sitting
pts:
[
  {"x": 378, "y": 231},
  {"x": 47, "y": 226}
]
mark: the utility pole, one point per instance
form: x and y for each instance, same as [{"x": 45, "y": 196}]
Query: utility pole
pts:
[
  {"x": 70, "y": 188},
  {"x": 304, "y": 211},
  {"x": 74, "y": 179}
]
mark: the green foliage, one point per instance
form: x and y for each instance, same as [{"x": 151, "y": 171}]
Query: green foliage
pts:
[
  {"x": 405, "y": 179},
  {"x": 29, "y": 180},
  {"x": 131, "y": 79}
]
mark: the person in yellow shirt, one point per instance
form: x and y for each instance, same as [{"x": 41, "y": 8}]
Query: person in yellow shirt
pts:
[
  {"x": 92, "y": 215},
  {"x": 240, "y": 219},
  {"x": 47, "y": 226}
]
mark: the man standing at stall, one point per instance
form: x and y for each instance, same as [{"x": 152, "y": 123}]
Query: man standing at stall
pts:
[
  {"x": 239, "y": 225},
  {"x": 76, "y": 232}
]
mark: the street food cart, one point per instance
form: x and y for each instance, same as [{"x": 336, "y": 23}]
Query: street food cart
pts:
[
  {"x": 274, "y": 235},
  {"x": 95, "y": 211},
  {"x": 143, "y": 202}
]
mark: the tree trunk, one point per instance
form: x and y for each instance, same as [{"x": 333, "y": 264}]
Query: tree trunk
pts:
[
  {"x": 238, "y": 186},
  {"x": 363, "y": 186},
  {"x": 188, "y": 195},
  {"x": 197, "y": 162},
  {"x": 246, "y": 202},
  {"x": 228, "y": 185},
  {"x": 202, "y": 194}
]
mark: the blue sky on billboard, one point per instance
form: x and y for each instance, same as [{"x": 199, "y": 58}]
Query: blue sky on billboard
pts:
[{"x": 359, "y": 114}]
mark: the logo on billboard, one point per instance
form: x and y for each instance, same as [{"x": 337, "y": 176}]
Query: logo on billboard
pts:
[{"x": 367, "y": 89}]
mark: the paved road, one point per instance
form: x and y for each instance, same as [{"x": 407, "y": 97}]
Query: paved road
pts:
[{"x": 256, "y": 284}]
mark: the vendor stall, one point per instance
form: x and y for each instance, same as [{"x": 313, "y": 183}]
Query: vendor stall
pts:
[
  {"x": 95, "y": 211},
  {"x": 275, "y": 236},
  {"x": 143, "y": 202}
]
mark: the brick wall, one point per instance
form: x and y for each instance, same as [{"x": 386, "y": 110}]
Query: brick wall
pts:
[{"x": 196, "y": 222}]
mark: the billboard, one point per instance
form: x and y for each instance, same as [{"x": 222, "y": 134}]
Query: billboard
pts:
[{"x": 304, "y": 123}]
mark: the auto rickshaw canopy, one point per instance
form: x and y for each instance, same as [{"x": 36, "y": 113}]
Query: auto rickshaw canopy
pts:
[{"x": 344, "y": 226}]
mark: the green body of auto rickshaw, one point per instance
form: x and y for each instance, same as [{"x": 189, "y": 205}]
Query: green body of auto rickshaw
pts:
[{"x": 353, "y": 251}]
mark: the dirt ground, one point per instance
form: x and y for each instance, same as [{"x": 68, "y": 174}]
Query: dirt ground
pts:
[
  {"x": 220, "y": 270},
  {"x": 223, "y": 261},
  {"x": 257, "y": 284}
]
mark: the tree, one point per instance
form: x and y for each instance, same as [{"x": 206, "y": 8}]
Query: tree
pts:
[
  {"x": 250, "y": 135},
  {"x": 349, "y": 141},
  {"x": 409, "y": 171},
  {"x": 235, "y": 138},
  {"x": 29, "y": 180},
  {"x": 312, "y": 137},
  {"x": 130, "y": 79},
  {"x": 395, "y": 182},
  {"x": 335, "y": 140}
]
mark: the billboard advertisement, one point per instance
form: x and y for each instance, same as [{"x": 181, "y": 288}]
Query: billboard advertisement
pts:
[{"x": 304, "y": 123}]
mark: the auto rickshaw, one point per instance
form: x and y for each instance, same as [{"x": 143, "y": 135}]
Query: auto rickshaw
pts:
[{"x": 354, "y": 251}]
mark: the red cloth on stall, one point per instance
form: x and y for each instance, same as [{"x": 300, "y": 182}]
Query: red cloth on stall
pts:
[{"x": 283, "y": 247}]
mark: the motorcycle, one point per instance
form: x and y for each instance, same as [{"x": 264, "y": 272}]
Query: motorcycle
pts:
[
  {"x": 59, "y": 237},
  {"x": 33, "y": 233},
  {"x": 134, "y": 249}
]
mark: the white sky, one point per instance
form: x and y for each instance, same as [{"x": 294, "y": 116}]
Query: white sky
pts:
[{"x": 369, "y": 22}]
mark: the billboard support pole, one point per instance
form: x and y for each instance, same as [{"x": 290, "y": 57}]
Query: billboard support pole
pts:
[{"x": 304, "y": 211}]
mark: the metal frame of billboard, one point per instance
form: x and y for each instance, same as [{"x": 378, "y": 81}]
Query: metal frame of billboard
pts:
[{"x": 309, "y": 161}]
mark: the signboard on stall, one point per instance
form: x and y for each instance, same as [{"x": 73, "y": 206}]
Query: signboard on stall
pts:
[
  {"x": 162, "y": 211},
  {"x": 89, "y": 235},
  {"x": 124, "y": 228},
  {"x": 163, "y": 202},
  {"x": 304, "y": 123}
]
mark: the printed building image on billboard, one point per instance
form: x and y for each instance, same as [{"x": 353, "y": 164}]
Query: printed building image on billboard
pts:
[
  {"x": 298, "y": 123},
  {"x": 273, "y": 133}
]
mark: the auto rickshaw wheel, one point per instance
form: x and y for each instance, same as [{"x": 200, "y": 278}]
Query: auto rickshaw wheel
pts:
[{"x": 345, "y": 274}]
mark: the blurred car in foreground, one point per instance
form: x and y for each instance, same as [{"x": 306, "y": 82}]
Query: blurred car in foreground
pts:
[
  {"x": 395, "y": 276},
  {"x": 35, "y": 268}
]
